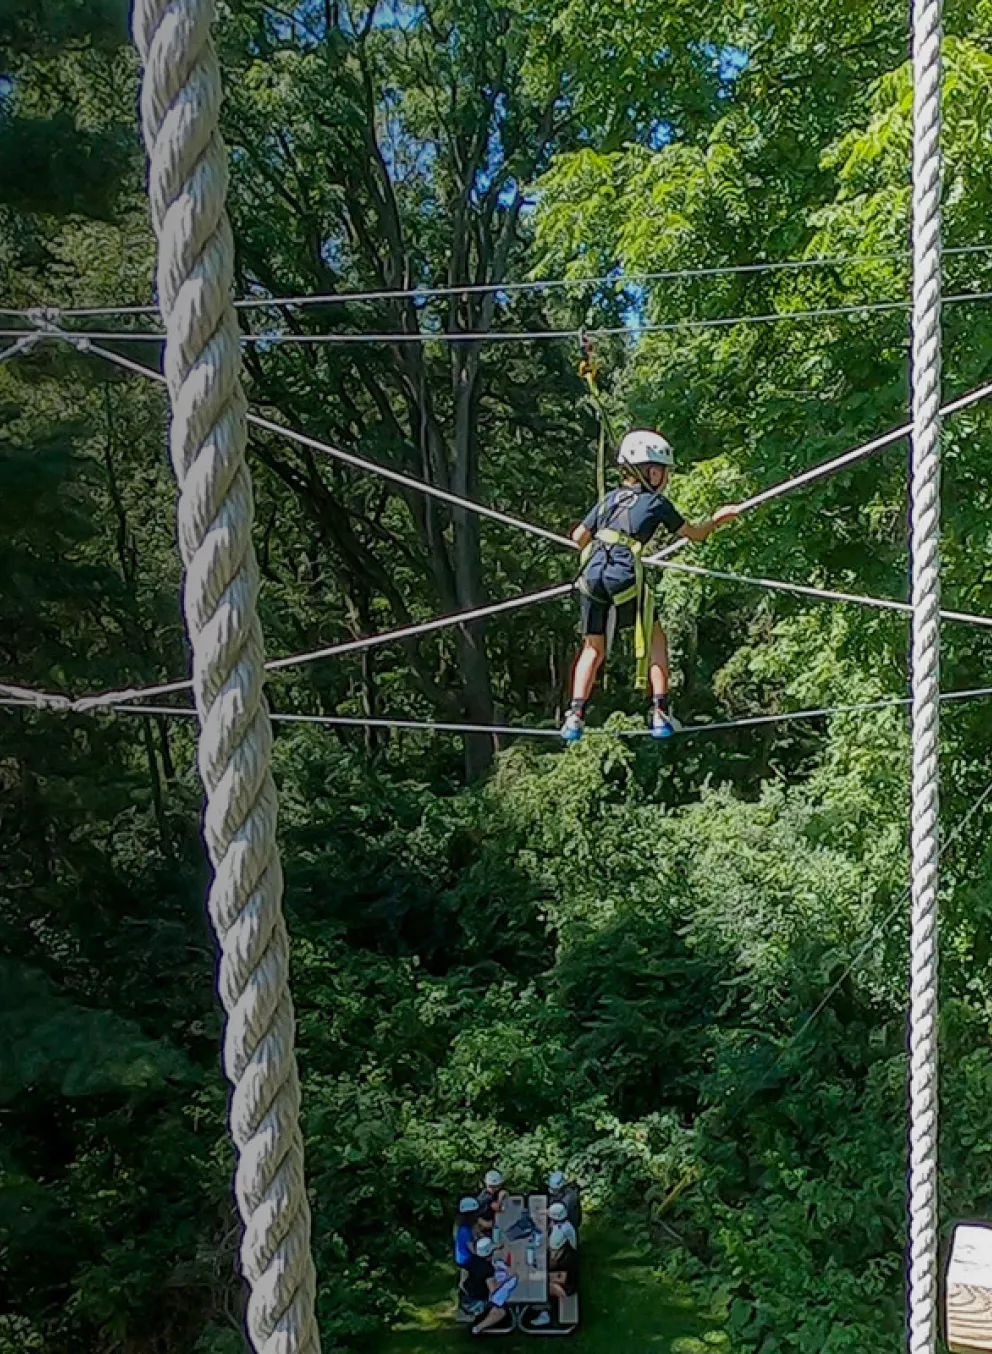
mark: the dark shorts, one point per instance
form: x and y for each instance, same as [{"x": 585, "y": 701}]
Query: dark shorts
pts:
[
  {"x": 608, "y": 574},
  {"x": 595, "y": 615},
  {"x": 571, "y": 1281}
]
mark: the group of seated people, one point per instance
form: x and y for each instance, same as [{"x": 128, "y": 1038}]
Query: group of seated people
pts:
[{"x": 486, "y": 1273}]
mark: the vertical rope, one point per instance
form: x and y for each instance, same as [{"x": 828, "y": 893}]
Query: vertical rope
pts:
[
  {"x": 925, "y": 573},
  {"x": 180, "y": 108}
]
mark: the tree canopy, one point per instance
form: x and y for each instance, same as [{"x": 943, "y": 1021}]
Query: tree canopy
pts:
[{"x": 678, "y": 971}]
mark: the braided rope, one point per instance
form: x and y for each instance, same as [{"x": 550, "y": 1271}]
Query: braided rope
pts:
[
  {"x": 925, "y": 835},
  {"x": 180, "y": 106}
]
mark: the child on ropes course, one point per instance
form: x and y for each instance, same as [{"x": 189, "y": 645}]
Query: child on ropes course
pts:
[{"x": 612, "y": 538}]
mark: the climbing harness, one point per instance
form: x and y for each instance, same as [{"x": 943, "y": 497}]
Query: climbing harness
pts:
[
  {"x": 605, "y": 539},
  {"x": 590, "y": 369}
]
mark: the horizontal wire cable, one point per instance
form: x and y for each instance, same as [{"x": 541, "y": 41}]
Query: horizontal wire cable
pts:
[
  {"x": 619, "y": 280},
  {"x": 280, "y": 340},
  {"x": 534, "y": 731},
  {"x": 49, "y": 700},
  {"x": 816, "y": 472},
  {"x": 423, "y": 336}
]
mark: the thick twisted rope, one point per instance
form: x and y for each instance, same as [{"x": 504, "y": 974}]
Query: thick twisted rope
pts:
[
  {"x": 925, "y": 835},
  {"x": 180, "y": 107}
]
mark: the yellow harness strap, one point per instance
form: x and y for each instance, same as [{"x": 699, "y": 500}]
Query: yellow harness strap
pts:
[
  {"x": 644, "y": 622},
  {"x": 589, "y": 372}
]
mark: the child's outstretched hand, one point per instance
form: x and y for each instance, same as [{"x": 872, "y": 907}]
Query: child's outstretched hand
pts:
[{"x": 727, "y": 513}]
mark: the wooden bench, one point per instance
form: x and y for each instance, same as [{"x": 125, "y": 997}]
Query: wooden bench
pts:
[
  {"x": 565, "y": 1317},
  {"x": 568, "y": 1310}
]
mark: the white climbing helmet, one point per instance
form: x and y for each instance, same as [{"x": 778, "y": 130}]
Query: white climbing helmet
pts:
[
  {"x": 558, "y": 1213},
  {"x": 485, "y": 1246},
  {"x": 493, "y": 1179},
  {"x": 468, "y": 1205},
  {"x": 644, "y": 447},
  {"x": 556, "y": 1179}
]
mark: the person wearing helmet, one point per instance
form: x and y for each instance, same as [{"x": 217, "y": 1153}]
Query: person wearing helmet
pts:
[
  {"x": 562, "y": 1227},
  {"x": 563, "y": 1254},
  {"x": 468, "y": 1216},
  {"x": 491, "y": 1199},
  {"x": 612, "y": 538},
  {"x": 563, "y": 1191},
  {"x": 465, "y": 1256},
  {"x": 478, "y": 1271},
  {"x": 500, "y": 1282}
]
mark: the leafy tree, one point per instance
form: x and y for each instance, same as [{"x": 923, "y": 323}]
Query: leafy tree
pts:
[{"x": 679, "y": 973}]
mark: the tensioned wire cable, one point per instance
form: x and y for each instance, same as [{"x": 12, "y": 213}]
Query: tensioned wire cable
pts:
[
  {"x": 507, "y": 730},
  {"x": 615, "y": 278},
  {"x": 805, "y": 477},
  {"x": 277, "y": 339},
  {"x": 557, "y": 590}
]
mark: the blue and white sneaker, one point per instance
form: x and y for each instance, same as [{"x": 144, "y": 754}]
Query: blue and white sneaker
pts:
[
  {"x": 662, "y": 724},
  {"x": 572, "y": 730}
]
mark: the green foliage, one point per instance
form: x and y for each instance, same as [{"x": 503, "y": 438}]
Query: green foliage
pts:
[
  {"x": 43, "y": 27},
  {"x": 648, "y": 965},
  {"x": 49, "y": 165},
  {"x": 50, "y": 1046}
]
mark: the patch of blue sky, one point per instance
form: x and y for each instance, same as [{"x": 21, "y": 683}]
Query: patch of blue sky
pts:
[
  {"x": 633, "y": 313},
  {"x": 398, "y": 14},
  {"x": 333, "y": 252},
  {"x": 495, "y": 156},
  {"x": 309, "y": 18},
  {"x": 660, "y": 134},
  {"x": 727, "y": 63},
  {"x": 731, "y": 61},
  {"x": 304, "y": 20}
]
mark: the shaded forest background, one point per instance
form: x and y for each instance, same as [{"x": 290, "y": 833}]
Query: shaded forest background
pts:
[{"x": 607, "y": 958}]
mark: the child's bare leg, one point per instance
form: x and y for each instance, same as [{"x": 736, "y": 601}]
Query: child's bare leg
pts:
[
  {"x": 587, "y": 665},
  {"x": 492, "y": 1318},
  {"x": 658, "y": 670}
]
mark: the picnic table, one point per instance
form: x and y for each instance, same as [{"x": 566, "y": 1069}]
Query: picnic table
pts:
[{"x": 532, "y": 1286}]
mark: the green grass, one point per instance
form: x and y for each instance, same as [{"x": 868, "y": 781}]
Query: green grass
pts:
[{"x": 626, "y": 1308}]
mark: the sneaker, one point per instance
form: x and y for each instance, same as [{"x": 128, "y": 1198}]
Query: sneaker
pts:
[
  {"x": 542, "y": 1319},
  {"x": 571, "y": 730},
  {"x": 662, "y": 725}
]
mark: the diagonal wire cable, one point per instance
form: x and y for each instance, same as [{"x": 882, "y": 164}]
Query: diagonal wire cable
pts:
[{"x": 808, "y": 476}]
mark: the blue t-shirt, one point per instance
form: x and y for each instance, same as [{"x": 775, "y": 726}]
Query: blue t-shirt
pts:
[
  {"x": 636, "y": 511},
  {"x": 463, "y": 1244}
]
